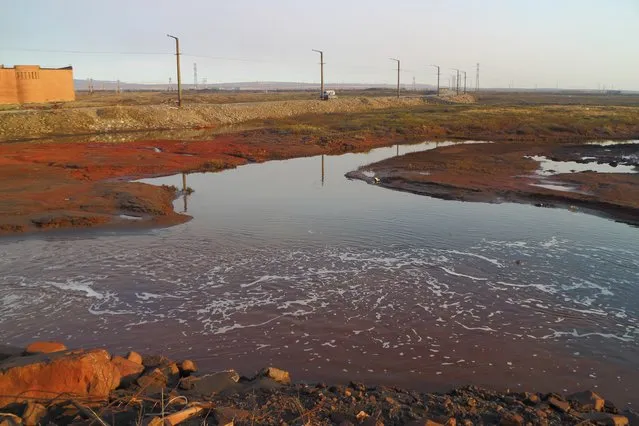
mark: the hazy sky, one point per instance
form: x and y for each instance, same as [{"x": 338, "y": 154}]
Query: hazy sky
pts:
[{"x": 573, "y": 43}]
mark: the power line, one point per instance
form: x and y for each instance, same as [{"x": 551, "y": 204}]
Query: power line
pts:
[{"x": 83, "y": 52}]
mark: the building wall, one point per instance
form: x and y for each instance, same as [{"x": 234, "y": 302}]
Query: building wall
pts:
[
  {"x": 32, "y": 84},
  {"x": 8, "y": 88}
]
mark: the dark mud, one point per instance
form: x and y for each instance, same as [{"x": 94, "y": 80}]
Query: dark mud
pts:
[{"x": 508, "y": 172}]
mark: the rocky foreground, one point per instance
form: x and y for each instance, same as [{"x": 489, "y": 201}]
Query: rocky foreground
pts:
[{"x": 48, "y": 384}]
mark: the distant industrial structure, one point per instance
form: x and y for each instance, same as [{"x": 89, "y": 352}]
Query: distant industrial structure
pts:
[{"x": 25, "y": 84}]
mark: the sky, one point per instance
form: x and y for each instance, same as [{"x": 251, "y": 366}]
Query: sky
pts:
[{"x": 580, "y": 44}]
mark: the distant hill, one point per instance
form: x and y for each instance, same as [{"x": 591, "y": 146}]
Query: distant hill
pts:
[{"x": 83, "y": 85}]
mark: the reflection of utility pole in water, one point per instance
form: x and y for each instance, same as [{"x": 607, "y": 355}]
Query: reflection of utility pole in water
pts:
[
  {"x": 322, "y": 169},
  {"x": 184, "y": 192}
]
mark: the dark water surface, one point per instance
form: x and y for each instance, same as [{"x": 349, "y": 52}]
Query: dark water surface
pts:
[{"x": 343, "y": 280}]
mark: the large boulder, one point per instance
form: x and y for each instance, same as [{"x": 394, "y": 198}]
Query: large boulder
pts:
[{"x": 89, "y": 376}]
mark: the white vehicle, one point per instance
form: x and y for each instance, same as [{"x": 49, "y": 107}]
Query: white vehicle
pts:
[{"x": 329, "y": 94}]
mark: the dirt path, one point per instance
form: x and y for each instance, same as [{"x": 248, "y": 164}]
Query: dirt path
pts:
[{"x": 24, "y": 124}]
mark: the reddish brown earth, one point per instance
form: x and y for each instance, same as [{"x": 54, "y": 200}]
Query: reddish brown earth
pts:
[
  {"x": 500, "y": 172},
  {"x": 88, "y": 387},
  {"x": 48, "y": 185}
]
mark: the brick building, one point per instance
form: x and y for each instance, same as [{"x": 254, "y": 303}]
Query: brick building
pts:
[{"x": 25, "y": 84}]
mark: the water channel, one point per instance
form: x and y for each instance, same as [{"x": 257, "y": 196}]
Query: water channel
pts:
[{"x": 288, "y": 263}]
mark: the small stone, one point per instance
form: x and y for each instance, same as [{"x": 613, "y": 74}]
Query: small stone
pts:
[
  {"x": 187, "y": 367},
  {"x": 587, "y": 400},
  {"x": 33, "y": 414},
  {"x": 172, "y": 369},
  {"x": 472, "y": 402},
  {"x": 276, "y": 374},
  {"x": 44, "y": 348},
  {"x": 391, "y": 401},
  {"x": 134, "y": 357},
  {"x": 606, "y": 419},
  {"x": 532, "y": 399},
  {"x": 153, "y": 361},
  {"x": 511, "y": 419},
  {"x": 424, "y": 422},
  {"x": 347, "y": 393},
  {"x": 559, "y": 404},
  {"x": 152, "y": 382},
  {"x": 361, "y": 416}
]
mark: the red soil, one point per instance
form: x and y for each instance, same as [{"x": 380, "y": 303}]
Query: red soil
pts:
[{"x": 57, "y": 185}]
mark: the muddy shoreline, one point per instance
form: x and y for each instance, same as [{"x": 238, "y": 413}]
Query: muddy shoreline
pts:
[
  {"x": 153, "y": 389},
  {"x": 500, "y": 173},
  {"x": 86, "y": 181}
]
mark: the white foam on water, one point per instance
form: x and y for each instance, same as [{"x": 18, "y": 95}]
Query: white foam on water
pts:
[
  {"x": 76, "y": 286},
  {"x": 457, "y": 274},
  {"x": 266, "y": 278}
]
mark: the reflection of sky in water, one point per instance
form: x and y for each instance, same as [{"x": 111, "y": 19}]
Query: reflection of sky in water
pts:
[
  {"x": 549, "y": 167},
  {"x": 277, "y": 261}
]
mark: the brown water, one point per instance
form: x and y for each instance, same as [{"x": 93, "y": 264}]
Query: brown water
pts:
[{"x": 338, "y": 280}]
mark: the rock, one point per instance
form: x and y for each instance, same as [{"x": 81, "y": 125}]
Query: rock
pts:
[
  {"x": 129, "y": 371},
  {"x": 33, "y": 414},
  {"x": 134, "y": 357},
  {"x": 89, "y": 376},
  {"x": 532, "y": 399},
  {"x": 152, "y": 382},
  {"x": 154, "y": 361},
  {"x": 587, "y": 400},
  {"x": 210, "y": 383},
  {"x": 605, "y": 419},
  {"x": 44, "y": 348},
  {"x": 424, "y": 422},
  {"x": 559, "y": 404},
  {"x": 187, "y": 367},
  {"x": 511, "y": 419},
  {"x": 276, "y": 374},
  {"x": 227, "y": 415},
  {"x": 172, "y": 369},
  {"x": 361, "y": 416},
  {"x": 7, "y": 419}
]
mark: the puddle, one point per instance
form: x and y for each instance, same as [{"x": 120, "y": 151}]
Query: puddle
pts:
[
  {"x": 559, "y": 187},
  {"x": 129, "y": 217},
  {"x": 549, "y": 167}
]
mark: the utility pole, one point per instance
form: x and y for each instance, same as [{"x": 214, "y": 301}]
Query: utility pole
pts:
[
  {"x": 177, "y": 59},
  {"x": 117, "y": 87},
  {"x": 321, "y": 72},
  {"x": 437, "y": 66},
  {"x": 195, "y": 75},
  {"x": 477, "y": 79},
  {"x": 464, "y": 81},
  {"x": 456, "y": 80},
  {"x": 398, "y": 70}
]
